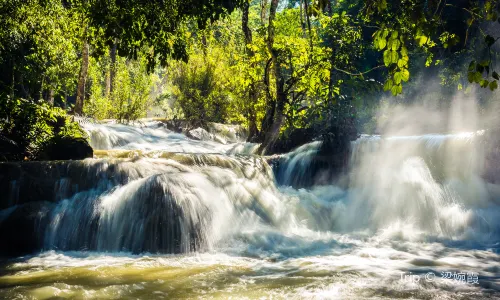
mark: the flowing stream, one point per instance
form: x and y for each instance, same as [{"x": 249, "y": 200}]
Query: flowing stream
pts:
[{"x": 158, "y": 215}]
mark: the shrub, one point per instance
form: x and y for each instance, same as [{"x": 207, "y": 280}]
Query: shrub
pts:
[{"x": 31, "y": 124}]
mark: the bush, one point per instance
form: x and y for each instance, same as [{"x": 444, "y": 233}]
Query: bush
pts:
[
  {"x": 29, "y": 125},
  {"x": 200, "y": 90}
]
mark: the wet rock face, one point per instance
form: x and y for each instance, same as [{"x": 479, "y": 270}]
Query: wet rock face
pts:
[
  {"x": 294, "y": 139},
  {"x": 31, "y": 181},
  {"x": 66, "y": 148},
  {"x": 20, "y": 228}
]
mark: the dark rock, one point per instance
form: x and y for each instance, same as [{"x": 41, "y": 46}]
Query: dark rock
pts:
[
  {"x": 30, "y": 181},
  {"x": 289, "y": 141},
  {"x": 22, "y": 228},
  {"x": 65, "y": 148},
  {"x": 178, "y": 126}
]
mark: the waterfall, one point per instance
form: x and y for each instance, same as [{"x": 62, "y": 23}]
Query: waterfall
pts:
[
  {"x": 155, "y": 136},
  {"x": 165, "y": 206},
  {"x": 300, "y": 221}
]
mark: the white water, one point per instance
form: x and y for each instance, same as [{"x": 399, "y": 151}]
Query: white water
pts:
[
  {"x": 155, "y": 136},
  {"x": 410, "y": 204}
]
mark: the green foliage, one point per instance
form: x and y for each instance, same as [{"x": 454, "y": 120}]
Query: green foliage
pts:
[
  {"x": 157, "y": 24},
  {"x": 132, "y": 88},
  {"x": 199, "y": 89},
  {"x": 479, "y": 72},
  {"x": 300, "y": 70},
  {"x": 38, "y": 47},
  {"x": 428, "y": 28},
  {"x": 30, "y": 125}
]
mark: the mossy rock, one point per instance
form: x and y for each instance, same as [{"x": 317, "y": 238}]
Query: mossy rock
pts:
[{"x": 65, "y": 148}]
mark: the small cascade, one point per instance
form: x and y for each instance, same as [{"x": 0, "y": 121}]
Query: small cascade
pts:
[
  {"x": 447, "y": 155},
  {"x": 155, "y": 200},
  {"x": 164, "y": 206},
  {"x": 297, "y": 167},
  {"x": 154, "y": 136},
  {"x": 401, "y": 204},
  {"x": 304, "y": 221},
  {"x": 431, "y": 183}
]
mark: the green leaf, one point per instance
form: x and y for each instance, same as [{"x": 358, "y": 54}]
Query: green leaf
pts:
[
  {"x": 470, "y": 77},
  {"x": 395, "y": 44},
  {"x": 388, "y": 84},
  {"x": 397, "y": 89},
  {"x": 389, "y": 43},
  {"x": 493, "y": 85},
  {"x": 404, "y": 51},
  {"x": 472, "y": 66},
  {"x": 387, "y": 58},
  {"x": 394, "y": 90},
  {"x": 394, "y": 57},
  {"x": 405, "y": 75},
  {"x": 401, "y": 63},
  {"x": 381, "y": 43},
  {"x": 477, "y": 77},
  {"x": 495, "y": 75},
  {"x": 397, "y": 77},
  {"x": 484, "y": 83},
  {"x": 422, "y": 40},
  {"x": 485, "y": 63}
]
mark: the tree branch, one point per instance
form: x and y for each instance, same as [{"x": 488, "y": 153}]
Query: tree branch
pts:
[{"x": 357, "y": 74}]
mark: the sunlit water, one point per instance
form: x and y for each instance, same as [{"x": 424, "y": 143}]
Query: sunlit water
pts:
[{"x": 412, "y": 215}]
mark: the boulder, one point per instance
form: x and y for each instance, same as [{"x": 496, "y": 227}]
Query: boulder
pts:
[
  {"x": 65, "y": 148},
  {"x": 22, "y": 228},
  {"x": 219, "y": 139},
  {"x": 228, "y": 132},
  {"x": 199, "y": 134},
  {"x": 291, "y": 140}
]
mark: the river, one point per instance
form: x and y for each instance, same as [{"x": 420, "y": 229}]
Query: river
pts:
[{"x": 156, "y": 215}]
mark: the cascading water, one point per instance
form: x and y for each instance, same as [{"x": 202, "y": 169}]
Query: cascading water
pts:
[{"x": 407, "y": 205}]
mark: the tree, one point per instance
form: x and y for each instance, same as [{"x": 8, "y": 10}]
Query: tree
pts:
[
  {"x": 437, "y": 29},
  {"x": 253, "y": 131}
]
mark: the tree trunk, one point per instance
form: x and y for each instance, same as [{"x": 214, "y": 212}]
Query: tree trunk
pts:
[
  {"x": 252, "y": 90},
  {"x": 110, "y": 74},
  {"x": 13, "y": 83},
  {"x": 50, "y": 97},
  {"x": 263, "y": 6},
  {"x": 272, "y": 131},
  {"x": 41, "y": 89},
  {"x": 107, "y": 88},
  {"x": 112, "y": 70},
  {"x": 302, "y": 23},
  {"x": 308, "y": 21},
  {"x": 80, "y": 93}
]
